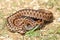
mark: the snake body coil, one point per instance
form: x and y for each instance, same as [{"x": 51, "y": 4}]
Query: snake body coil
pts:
[{"x": 27, "y": 19}]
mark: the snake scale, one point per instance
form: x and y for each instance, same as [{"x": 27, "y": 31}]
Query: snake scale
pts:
[{"x": 26, "y": 19}]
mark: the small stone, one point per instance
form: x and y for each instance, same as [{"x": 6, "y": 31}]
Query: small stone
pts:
[
  {"x": 1, "y": 20},
  {"x": 58, "y": 19},
  {"x": 7, "y": 0},
  {"x": 2, "y": 37}
]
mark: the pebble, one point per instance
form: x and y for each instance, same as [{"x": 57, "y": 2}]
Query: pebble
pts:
[{"x": 58, "y": 19}]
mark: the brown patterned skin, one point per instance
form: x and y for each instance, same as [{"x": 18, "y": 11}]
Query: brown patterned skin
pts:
[{"x": 24, "y": 19}]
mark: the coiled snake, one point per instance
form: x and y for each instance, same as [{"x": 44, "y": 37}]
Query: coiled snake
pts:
[{"x": 27, "y": 19}]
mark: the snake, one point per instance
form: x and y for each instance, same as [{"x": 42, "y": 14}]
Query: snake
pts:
[{"x": 26, "y": 19}]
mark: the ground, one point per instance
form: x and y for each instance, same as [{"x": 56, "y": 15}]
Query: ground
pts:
[{"x": 49, "y": 32}]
